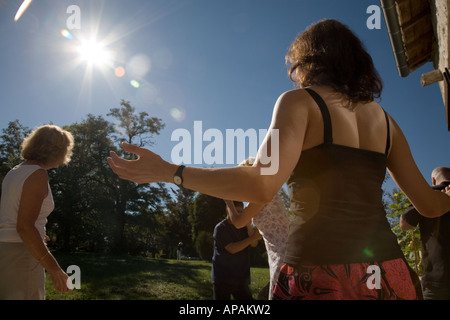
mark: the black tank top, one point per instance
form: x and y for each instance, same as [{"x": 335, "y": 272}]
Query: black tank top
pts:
[{"x": 336, "y": 204}]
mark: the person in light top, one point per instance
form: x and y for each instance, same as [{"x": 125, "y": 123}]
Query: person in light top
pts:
[{"x": 26, "y": 203}]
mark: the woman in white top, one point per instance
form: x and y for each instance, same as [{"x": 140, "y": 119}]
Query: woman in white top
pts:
[
  {"x": 25, "y": 204},
  {"x": 272, "y": 222}
]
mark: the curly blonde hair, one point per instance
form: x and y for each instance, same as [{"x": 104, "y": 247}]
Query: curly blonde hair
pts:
[{"x": 48, "y": 145}]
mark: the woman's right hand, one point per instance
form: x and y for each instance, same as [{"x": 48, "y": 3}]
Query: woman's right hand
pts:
[{"x": 61, "y": 281}]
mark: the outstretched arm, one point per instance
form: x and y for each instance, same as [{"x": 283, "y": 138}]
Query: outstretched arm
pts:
[
  {"x": 240, "y": 220},
  {"x": 257, "y": 184},
  {"x": 404, "y": 171}
]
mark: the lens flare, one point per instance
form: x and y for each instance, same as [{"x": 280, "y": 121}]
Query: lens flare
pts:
[
  {"x": 368, "y": 253},
  {"x": 135, "y": 84},
  {"x": 138, "y": 66},
  {"x": 66, "y": 34},
  {"x": 177, "y": 114},
  {"x": 119, "y": 72},
  {"x": 22, "y": 9}
]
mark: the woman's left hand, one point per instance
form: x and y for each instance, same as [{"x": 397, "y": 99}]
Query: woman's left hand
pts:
[{"x": 149, "y": 167}]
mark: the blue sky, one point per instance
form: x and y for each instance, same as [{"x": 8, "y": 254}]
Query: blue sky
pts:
[{"x": 219, "y": 62}]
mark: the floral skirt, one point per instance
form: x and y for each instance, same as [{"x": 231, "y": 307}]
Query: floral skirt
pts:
[{"x": 388, "y": 280}]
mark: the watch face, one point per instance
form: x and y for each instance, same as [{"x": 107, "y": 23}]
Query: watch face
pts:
[{"x": 177, "y": 180}]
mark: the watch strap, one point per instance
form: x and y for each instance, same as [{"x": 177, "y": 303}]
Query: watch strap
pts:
[{"x": 179, "y": 173}]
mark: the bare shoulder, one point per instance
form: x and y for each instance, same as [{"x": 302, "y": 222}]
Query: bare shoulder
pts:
[
  {"x": 293, "y": 103},
  {"x": 39, "y": 174},
  {"x": 294, "y": 97},
  {"x": 37, "y": 180},
  {"x": 397, "y": 137}
]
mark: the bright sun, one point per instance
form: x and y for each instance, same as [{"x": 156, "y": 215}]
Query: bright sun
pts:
[{"x": 94, "y": 53}]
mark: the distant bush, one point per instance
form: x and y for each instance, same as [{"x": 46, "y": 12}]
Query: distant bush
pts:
[{"x": 205, "y": 245}]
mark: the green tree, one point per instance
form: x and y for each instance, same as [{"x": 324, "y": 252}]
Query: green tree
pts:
[
  {"x": 84, "y": 190},
  {"x": 175, "y": 223},
  {"x": 135, "y": 128},
  {"x": 204, "y": 244},
  {"x": 94, "y": 209},
  {"x": 133, "y": 199},
  {"x": 10, "y": 146},
  {"x": 409, "y": 240},
  {"x": 207, "y": 212}
]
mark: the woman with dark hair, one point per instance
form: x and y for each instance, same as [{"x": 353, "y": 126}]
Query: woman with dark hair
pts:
[
  {"x": 334, "y": 143},
  {"x": 329, "y": 54}
]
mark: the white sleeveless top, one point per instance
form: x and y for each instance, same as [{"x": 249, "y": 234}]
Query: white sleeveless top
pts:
[{"x": 10, "y": 200}]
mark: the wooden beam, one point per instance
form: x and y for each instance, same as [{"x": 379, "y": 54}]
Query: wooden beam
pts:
[
  {"x": 446, "y": 96},
  {"x": 419, "y": 51},
  {"x": 423, "y": 17},
  {"x": 431, "y": 77}
]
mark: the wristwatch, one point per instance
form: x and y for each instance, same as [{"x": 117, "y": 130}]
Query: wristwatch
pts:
[{"x": 178, "y": 177}]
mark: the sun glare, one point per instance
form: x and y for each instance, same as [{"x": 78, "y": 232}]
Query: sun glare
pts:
[
  {"x": 94, "y": 53},
  {"x": 22, "y": 9}
]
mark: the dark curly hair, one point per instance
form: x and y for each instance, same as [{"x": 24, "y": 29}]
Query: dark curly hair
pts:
[{"x": 329, "y": 53}]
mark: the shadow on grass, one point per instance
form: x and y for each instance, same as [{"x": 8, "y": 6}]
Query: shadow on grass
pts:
[{"x": 108, "y": 277}]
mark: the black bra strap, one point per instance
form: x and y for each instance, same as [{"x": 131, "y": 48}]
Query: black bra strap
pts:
[
  {"x": 388, "y": 142},
  {"x": 328, "y": 129}
]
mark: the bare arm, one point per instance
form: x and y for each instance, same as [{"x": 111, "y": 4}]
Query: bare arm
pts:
[
  {"x": 405, "y": 225},
  {"x": 241, "y": 220},
  {"x": 34, "y": 191},
  {"x": 404, "y": 171},
  {"x": 283, "y": 143},
  {"x": 236, "y": 247}
]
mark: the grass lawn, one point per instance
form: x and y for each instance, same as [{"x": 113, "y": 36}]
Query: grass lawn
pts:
[{"x": 109, "y": 277}]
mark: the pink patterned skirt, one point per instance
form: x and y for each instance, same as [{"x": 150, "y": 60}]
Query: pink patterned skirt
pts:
[{"x": 388, "y": 280}]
